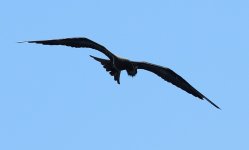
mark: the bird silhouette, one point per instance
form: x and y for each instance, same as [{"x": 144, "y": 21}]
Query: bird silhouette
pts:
[{"x": 114, "y": 65}]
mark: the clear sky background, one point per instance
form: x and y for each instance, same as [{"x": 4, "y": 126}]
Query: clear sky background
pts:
[{"x": 55, "y": 97}]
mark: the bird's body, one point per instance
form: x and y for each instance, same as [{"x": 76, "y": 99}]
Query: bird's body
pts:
[{"x": 114, "y": 65}]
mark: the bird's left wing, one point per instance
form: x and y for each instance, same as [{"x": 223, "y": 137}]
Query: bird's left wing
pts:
[
  {"x": 77, "y": 43},
  {"x": 170, "y": 76}
]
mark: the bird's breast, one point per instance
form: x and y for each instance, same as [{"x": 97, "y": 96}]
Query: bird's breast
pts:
[{"x": 122, "y": 64}]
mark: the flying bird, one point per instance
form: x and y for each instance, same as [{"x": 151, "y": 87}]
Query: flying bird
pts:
[{"x": 115, "y": 64}]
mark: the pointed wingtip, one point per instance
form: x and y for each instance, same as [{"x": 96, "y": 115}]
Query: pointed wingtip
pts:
[
  {"x": 21, "y": 42},
  {"x": 212, "y": 103},
  {"x": 25, "y": 42}
]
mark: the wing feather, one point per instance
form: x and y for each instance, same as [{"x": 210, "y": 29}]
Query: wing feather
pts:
[
  {"x": 77, "y": 43},
  {"x": 172, "y": 77}
]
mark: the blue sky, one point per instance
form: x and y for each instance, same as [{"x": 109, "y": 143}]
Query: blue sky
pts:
[{"x": 55, "y": 97}]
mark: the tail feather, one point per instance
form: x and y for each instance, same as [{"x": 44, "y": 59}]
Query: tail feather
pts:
[
  {"x": 107, "y": 64},
  {"x": 99, "y": 59}
]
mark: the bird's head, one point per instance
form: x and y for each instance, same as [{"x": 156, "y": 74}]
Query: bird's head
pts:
[{"x": 132, "y": 70}]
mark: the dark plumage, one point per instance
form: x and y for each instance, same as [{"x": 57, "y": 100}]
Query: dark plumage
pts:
[{"x": 116, "y": 64}]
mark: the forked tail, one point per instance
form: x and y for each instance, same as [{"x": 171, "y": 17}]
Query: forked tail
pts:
[{"x": 107, "y": 64}]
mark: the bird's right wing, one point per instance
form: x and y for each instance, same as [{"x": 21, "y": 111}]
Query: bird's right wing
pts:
[
  {"x": 170, "y": 76},
  {"x": 77, "y": 43}
]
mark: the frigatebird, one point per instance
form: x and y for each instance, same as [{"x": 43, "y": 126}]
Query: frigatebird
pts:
[{"x": 114, "y": 65}]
